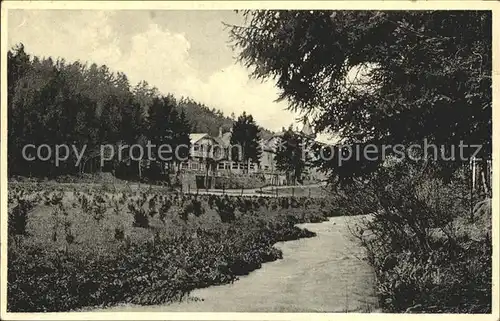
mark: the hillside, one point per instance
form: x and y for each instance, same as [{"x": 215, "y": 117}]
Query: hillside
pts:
[{"x": 204, "y": 119}]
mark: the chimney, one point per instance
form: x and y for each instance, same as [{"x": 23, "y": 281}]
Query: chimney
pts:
[{"x": 220, "y": 131}]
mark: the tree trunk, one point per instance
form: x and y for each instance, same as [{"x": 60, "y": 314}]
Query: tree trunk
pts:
[
  {"x": 485, "y": 175},
  {"x": 207, "y": 168},
  {"x": 139, "y": 169}
]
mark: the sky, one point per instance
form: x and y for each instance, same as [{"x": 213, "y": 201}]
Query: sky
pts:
[{"x": 185, "y": 53}]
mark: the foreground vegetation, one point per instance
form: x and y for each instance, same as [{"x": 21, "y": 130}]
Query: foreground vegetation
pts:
[
  {"x": 74, "y": 249},
  {"x": 429, "y": 243}
]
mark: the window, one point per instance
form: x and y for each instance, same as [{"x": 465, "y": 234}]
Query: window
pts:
[
  {"x": 195, "y": 166},
  {"x": 196, "y": 148},
  {"x": 234, "y": 166},
  {"x": 266, "y": 167},
  {"x": 221, "y": 166}
]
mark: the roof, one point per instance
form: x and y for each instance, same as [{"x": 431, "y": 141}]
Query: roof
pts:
[
  {"x": 271, "y": 143},
  {"x": 196, "y": 137},
  {"x": 307, "y": 129}
]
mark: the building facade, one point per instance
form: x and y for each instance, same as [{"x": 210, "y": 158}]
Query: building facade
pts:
[{"x": 212, "y": 156}]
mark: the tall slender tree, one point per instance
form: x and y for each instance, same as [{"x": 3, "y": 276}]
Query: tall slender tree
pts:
[
  {"x": 161, "y": 126},
  {"x": 182, "y": 143},
  {"x": 290, "y": 157},
  {"x": 246, "y": 136}
]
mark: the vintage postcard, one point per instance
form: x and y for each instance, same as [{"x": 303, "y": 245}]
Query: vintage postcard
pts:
[{"x": 249, "y": 160}]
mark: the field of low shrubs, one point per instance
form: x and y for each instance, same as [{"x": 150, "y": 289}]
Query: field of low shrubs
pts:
[{"x": 69, "y": 250}]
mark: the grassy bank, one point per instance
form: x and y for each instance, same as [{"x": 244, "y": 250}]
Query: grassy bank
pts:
[{"x": 72, "y": 250}]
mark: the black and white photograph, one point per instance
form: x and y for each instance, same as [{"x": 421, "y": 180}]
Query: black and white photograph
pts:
[{"x": 204, "y": 157}]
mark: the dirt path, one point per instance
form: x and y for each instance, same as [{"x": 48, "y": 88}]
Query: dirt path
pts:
[{"x": 319, "y": 274}]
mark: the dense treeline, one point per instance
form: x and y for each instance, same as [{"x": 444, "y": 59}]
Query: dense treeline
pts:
[{"x": 56, "y": 102}]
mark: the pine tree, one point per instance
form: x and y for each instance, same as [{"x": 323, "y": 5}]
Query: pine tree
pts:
[
  {"x": 290, "y": 157},
  {"x": 182, "y": 143},
  {"x": 246, "y": 135},
  {"x": 161, "y": 125}
]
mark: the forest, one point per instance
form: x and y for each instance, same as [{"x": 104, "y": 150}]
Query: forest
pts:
[{"x": 80, "y": 104}]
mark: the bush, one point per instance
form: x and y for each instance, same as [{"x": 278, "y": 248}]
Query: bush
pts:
[
  {"x": 418, "y": 240},
  {"x": 18, "y": 217},
  {"x": 141, "y": 219},
  {"x": 225, "y": 209}
]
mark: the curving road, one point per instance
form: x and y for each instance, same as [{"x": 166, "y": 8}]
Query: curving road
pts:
[{"x": 319, "y": 274}]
